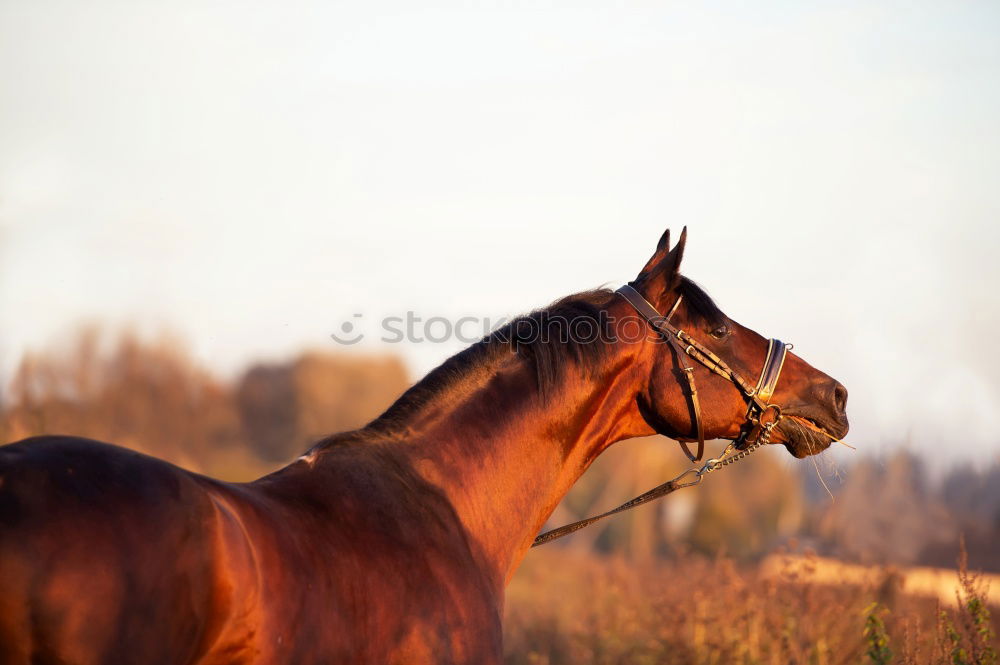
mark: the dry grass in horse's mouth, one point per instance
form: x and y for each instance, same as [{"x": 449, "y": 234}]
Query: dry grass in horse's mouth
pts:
[{"x": 810, "y": 425}]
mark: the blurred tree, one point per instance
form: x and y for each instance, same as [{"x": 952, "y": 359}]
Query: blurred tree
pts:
[
  {"x": 285, "y": 407},
  {"x": 746, "y": 508},
  {"x": 148, "y": 395},
  {"x": 144, "y": 394},
  {"x": 972, "y": 498},
  {"x": 885, "y": 513}
]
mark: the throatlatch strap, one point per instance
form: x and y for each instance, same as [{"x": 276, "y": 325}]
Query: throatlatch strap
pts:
[
  {"x": 696, "y": 407},
  {"x": 662, "y": 325}
]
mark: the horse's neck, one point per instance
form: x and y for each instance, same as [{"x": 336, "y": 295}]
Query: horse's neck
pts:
[{"x": 505, "y": 454}]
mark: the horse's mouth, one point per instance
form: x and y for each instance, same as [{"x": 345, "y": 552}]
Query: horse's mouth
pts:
[{"x": 804, "y": 436}]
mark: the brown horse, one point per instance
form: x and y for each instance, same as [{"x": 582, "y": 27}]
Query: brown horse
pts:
[{"x": 390, "y": 544}]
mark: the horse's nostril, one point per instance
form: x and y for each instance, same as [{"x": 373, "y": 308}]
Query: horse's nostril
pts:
[{"x": 840, "y": 398}]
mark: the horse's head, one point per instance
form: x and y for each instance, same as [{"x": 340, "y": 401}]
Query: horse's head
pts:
[{"x": 812, "y": 405}]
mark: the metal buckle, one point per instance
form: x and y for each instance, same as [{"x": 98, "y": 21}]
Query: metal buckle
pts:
[{"x": 777, "y": 416}]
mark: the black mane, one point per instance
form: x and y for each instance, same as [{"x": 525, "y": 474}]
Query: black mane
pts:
[{"x": 550, "y": 353}]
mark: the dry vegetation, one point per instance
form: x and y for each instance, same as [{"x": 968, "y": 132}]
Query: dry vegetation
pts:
[
  {"x": 567, "y": 607},
  {"x": 650, "y": 586}
]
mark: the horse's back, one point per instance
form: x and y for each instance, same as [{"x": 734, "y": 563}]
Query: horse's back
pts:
[
  {"x": 84, "y": 574},
  {"x": 111, "y": 556}
]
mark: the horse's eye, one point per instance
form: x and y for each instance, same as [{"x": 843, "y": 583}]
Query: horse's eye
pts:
[{"x": 720, "y": 332}]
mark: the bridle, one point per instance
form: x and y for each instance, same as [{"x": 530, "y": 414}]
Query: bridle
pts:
[
  {"x": 761, "y": 416},
  {"x": 758, "y": 396}
]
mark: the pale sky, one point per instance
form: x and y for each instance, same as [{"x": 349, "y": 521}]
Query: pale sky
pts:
[{"x": 251, "y": 175}]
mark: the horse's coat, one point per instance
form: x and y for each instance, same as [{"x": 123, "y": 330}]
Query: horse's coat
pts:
[{"x": 391, "y": 544}]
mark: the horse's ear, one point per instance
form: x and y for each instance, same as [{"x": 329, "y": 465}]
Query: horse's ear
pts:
[
  {"x": 662, "y": 249},
  {"x": 662, "y": 271},
  {"x": 676, "y": 254}
]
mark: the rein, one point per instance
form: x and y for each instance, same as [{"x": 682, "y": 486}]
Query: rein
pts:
[{"x": 754, "y": 433}]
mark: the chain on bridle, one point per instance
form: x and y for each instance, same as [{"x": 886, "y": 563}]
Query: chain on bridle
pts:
[{"x": 754, "y": 433}]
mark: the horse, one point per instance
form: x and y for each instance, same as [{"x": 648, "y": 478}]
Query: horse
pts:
[{"x": 392, "y": 543}]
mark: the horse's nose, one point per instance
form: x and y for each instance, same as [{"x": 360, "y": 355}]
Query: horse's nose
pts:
[{"x": 839, "y": 398}]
